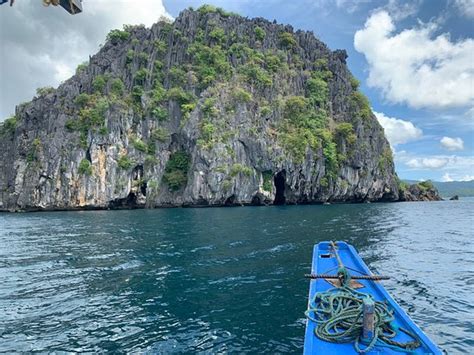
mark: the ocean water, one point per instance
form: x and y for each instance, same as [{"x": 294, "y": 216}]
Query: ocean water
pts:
[{"x": 221, "y": 279}]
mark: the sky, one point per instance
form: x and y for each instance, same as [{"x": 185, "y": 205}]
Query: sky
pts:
[{"x": 414, "y": 59}]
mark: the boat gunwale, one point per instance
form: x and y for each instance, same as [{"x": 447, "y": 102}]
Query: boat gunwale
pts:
[{"x": 427, "y": 343}]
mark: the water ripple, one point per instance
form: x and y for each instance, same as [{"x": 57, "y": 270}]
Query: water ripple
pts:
[{"x": 164, "y": 281}]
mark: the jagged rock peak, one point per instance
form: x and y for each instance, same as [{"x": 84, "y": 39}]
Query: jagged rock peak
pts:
[{"x": 211, "y": 109}]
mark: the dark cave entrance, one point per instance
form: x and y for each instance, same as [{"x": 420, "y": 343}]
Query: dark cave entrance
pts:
[
  {"x": 279, "y": 181},
  {"x": 128, "y": 202}
]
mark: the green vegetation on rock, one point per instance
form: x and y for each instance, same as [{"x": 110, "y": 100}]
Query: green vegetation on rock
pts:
[
  {"x": 242, "y": 95},
  {"x": 44, "y": 91},
  {"x": 8, "y": 126},
  {"x": 117, "y": 87},
  {"x": 176, "y": 170},
  {"x": 85, "y": 167},
  {"x": 160, "y": 134},
  {"x": 139, "y": 145},
  {"x": 34, "y": 150},
  {"x": 287, "y": 40},
  {"x": 124, "y": 162},
  {"x": 426, "y": 185},
  {"x": 259, "y": 33},
  {"x": 238, "y": 168},
  {"x": 116, "y": 36},
  {"x": 91, "y": 117},
  {"x": 99, "y": 83},
  {"x": 81, "y": 67},
  {"x": 346, "y": 131},
  {"x": 267, "y": 180},
  {"x": 361, "y": 105}
]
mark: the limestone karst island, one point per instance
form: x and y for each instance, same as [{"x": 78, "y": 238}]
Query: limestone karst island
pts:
[{"x": 212, "y": 109}]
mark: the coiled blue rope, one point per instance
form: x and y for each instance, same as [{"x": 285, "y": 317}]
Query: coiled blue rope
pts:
[{"x": 338, "y": 313}]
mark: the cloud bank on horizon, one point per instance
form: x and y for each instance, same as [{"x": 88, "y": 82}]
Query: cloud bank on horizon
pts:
[{"x": 419, "y": 75}]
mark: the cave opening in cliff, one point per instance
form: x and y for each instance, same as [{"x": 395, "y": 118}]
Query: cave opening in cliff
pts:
[
  {"x": 128, "y": 202},
  {"x": 279, "y": 181}
]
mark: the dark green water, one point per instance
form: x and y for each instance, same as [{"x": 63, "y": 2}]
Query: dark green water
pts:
[{"x": 221, "y": 279}]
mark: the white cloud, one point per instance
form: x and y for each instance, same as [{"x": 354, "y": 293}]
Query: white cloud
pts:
[
  {"x": 449, "y": 178},
  {"x": 400, "y": 10},
  {"x": 427, "y": 163},
  {"x": 350, "y": 6},
  {"x": 416, "y": 67},
  {"x": 398, "y": 131},
  {"x": 458, "y": 167},
  {"x": 42, "y": 46},
  {"x": 452, "y": 143},
  {"x": 465, "y": 7}
]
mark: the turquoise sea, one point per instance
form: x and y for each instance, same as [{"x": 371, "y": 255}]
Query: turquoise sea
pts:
[{"x": 221, "y": 279}]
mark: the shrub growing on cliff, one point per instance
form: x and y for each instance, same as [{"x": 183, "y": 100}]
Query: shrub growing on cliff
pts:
[
  {"x": 206, "y": 9},
  {"x": 218, "y": 35},
  {"x": 256, "y": 75},
  {"x": 124, "y": 162},
  {"x": 287, "y": 40},
  {"x": 179, "y": 95},
  {"x": 177, "y": 76},
  {"x": 34, "y": 150},
  {"x": 346, "y": 131},
  {"x": 116, "y": 36},
  {"x": 318, "y": 91},
  {"x": 160, "y": 114},
  {"x": 237, "y": 169},
  {"x": 329, "y": 152},
  {"x": 209, "y": 63},
  {"x": 160, "y": 47},
  {"x": 44, "y": 91},
  {"x": 259, "y": 33},
  {"x": 354, "y": 83},
  {"x": 99, "y": 83},
  {"x": 302, "y": 127},
  {"x": 137, "y": 93},
  {"x": 242, "y": 95},
  {"x": 273, "y": 63},
  {"x": 117, "y": 87},
  {"x": 140, "y": 76},
  {"x": 385, "y": 159},
  {"x": 426, "y": 185},
  {"x": 8, "y": 126},
  {"x": 130, "y": 56},
  {"x": 82, "y": 100},
  {"x": 361, "y": 104},
  {"x": 402, "y": 185},
  {"x": 85, "y": 167},
  {"x": 176, "y": 170},
  {"x": 267, "y": 180},
  {"x": 81, "y": 67},
  {"x": 160, "y": 134},
  {"x": 143, "y": 58},
  {"x": 138, "y": 144},
  {"x": 295, "y": 107}
]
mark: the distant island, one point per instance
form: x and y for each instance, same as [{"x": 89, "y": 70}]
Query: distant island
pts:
[
  {"x": 213, "y": 109},
  {"x": 452, "y": 188}
]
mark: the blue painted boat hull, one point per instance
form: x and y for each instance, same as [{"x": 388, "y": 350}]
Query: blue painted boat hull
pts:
[{"x": 324, "y": 262}]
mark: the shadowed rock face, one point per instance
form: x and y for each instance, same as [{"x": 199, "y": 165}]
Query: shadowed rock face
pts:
[{"x": 213, "y": 109}]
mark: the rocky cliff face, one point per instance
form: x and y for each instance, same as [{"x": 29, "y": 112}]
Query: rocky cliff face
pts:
[{"x": 212, "y": 109}]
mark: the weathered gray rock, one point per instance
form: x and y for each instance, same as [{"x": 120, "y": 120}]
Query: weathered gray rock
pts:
[
  {"x": 244, "y": 162},
  {"x": 423, "y": 191}
]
